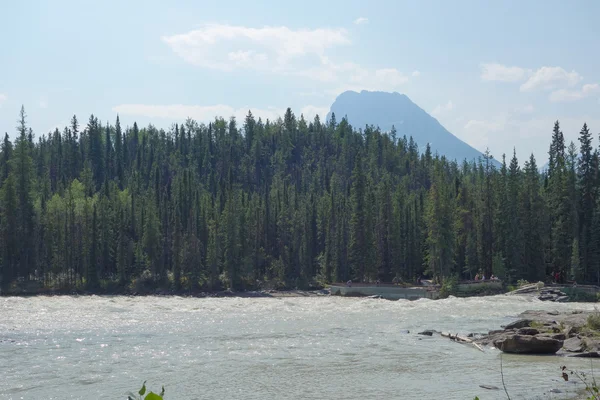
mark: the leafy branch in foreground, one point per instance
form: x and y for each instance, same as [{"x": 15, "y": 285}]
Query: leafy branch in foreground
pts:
[
  {"x": 590, "y": 387},
  {"x": 149, "y": 396}
]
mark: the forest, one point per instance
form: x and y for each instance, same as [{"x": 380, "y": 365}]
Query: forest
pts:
[{"x": 289, "y": 203}]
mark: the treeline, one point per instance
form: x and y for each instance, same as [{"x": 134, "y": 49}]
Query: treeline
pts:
[{"x": 287, "y": 203}]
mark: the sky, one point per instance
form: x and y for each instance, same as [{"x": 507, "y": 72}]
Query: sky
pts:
[{"x": 497, "y": 74}]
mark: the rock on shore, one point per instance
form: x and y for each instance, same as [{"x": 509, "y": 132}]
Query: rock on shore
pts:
[
  {"x": 540, "y": 332},
  {"x": 543, "y": 293}
]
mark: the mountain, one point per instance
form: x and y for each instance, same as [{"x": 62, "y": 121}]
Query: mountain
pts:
[{"x": 385, "y": 110}]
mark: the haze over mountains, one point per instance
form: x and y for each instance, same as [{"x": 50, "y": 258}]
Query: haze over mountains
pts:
[{"x": 385, "y": 110}]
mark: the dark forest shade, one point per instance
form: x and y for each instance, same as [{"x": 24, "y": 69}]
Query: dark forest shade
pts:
[{"x": 288, "y": 203}]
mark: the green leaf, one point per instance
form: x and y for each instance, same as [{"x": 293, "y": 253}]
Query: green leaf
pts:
[
  {"x": 153, "y": 396},
  {"x": 143, "y": 389}
]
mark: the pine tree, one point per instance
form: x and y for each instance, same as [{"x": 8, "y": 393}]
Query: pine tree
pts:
[
  {"x": 96, "y": 152},
  {"x": 22, "y": 167},
  {"x": 358, "y": 241},
  {"x": 8, "y": 231},
  {"x": 586, "y": 182},
  {"x": 92, "y": 266},
  {"x": 439, "y": 219},
  {"x": 6, "y": 156},
  {"x": 119, "y": 161}
]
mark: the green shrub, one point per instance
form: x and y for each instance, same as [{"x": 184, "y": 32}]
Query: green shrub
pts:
[
  {"x": 522, "y": 282},
  {"x": 579, "y": 295},
  {"x": 149, "y": 396},
  {"x": 449, "y": 286},
  {"x": 593, "y": 321}
]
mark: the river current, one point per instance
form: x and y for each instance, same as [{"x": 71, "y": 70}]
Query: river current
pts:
[{"x": 266, "y": 348}]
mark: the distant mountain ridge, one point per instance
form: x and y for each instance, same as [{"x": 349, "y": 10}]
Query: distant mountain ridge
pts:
[{"x": 384, "y": 109}]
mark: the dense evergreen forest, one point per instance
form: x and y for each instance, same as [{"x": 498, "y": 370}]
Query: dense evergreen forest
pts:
[{"x": 286, "y": 204}]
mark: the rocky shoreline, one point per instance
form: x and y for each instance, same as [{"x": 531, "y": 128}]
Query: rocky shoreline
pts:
[{"x": 573, "y": 334}]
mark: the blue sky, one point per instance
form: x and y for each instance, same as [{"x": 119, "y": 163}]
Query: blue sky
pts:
[{"x": 496, "y": 74}]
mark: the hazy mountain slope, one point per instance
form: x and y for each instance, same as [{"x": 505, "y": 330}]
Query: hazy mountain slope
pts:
[{"x": 386, "y": 109}]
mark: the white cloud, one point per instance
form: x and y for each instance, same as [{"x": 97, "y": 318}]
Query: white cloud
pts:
[
  {"x": 3, "y": 98},
  {"x": 208, "y": 113},
  {"x": 528, "y": 109},
  {"x": 361, "y": 21},
  {"x": 502, "y": 73},
  {"x": 528, "y": 133},
  {"x": 199, "y": 113},
  {"x": 227, "y": 47},
  {"x": 310, "y": 112},
  {"x": 416, "y": 74},
  {"x": 550, "y": 78},
  {"x": 443, "y": 108},
  {"x": 486, "y": 126},
  {"x": 43, "y": 102},
  {"x": 281, "y": 50},
  {"x": 587, "y": 90},
  {"x": 351, "y": 76}
]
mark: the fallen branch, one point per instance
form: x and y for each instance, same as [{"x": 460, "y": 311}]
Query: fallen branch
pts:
[{"x": 462, "y": 339}]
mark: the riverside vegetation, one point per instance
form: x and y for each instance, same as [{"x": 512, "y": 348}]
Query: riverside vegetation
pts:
[{"x": 289, "y": 203}]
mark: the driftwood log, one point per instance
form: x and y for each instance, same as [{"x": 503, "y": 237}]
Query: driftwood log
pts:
[{"x": 462, "y": 339}]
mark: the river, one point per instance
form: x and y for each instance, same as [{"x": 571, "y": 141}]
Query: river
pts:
[{"x": 265, "y": 348}]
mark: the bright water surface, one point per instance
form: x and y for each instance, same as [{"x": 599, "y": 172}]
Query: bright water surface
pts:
[{"x": 265, "y": 348}]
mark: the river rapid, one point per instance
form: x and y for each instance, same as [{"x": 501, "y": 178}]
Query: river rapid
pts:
[{"x": 97, "y": 347}]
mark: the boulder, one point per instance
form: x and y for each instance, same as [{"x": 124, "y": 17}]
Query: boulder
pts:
[
  {"x": 573, "y": 345},
  {"x": 527, "y": 331},
  {"x": 526, "y": 344},
  {"x": 570, "y": 331},
  {"x": 590, "y": 343},
  {"x": 522, "y": 323}
]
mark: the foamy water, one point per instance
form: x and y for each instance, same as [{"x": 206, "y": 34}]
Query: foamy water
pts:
[{"x": 265, "y": 348}]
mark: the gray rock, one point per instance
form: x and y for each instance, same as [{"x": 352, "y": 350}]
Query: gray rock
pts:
[
  {"x": 590, "y": 344},
  {"x": 573, "y": 345},
  {"x": 522, "y": 323},
  {"x": 428, "y": 332},
  {"x": 570, "y": 331},
  {"x": 525, "y": 344},
  {"x": 548, "y": 297},
  {"x": 562, "y": 299},
  {"x": 527, "y": 331}
]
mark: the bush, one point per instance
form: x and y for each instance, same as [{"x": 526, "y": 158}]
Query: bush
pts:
[
  {"x": 149, "y": 396},
  {"x": 522, "y": 282},
  {"x": 449, "y": 286},
  {"x": 593, "y": 321},
  {"x": 579, "y": 295},
  {"x": 144, "y": 283}
]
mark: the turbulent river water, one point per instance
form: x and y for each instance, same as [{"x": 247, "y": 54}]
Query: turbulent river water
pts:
[{"x": 265, "y": 348}]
